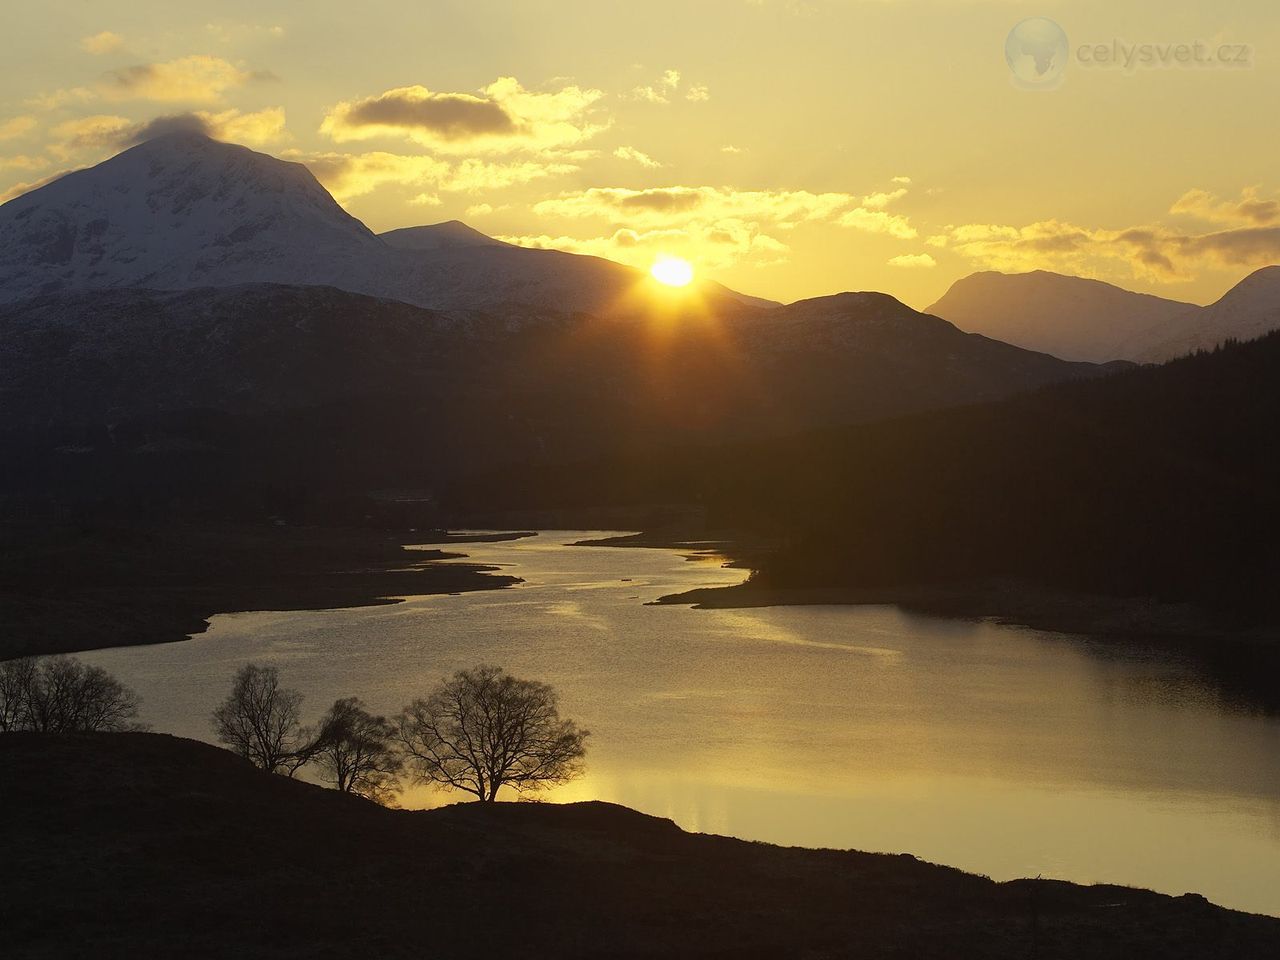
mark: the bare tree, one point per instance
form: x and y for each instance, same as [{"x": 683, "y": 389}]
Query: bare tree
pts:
[
  {"x": 63, "y": 695},
  {"x": 17, "y": 681},
  {"x": 483, "y": 729},
  {"x": 261, "y": 722},
  {"x": 355, "y": 752}
]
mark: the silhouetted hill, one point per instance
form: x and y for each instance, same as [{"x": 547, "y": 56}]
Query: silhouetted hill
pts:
[
  {"x": 137, "y": 845},
  {"x": 189, "y": 393},
  {"x": 1158, "y": 482}
]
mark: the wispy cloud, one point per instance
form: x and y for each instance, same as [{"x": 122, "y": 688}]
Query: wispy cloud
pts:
[
  {"x": 102, "y": 43},
  {"x": 354, "y": 175},
  {"x": 913, "y": 260},
  {"x": 101, "y": 133},
  {"x": 16, "y": 127},
  {"x": 670, "y": 86},
  {"x": 196, "y": 79},
  {"x": 636, "y": 156},
  {"x": 1250, "y": 208}
]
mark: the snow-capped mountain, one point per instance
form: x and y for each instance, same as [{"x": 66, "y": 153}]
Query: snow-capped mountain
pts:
[
  {"x": 184, "y": 211},
  {"x": 175, "y": 212},
  {"x": 1245, "y": 312}
]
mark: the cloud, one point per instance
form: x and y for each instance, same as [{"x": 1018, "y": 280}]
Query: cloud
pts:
[
  {"x": 109, "y": 132},
  {"x": 100, "y": 43},
  {"x": 503, "y": 118},
  {"x": 228, "y": 32},
  {"x": 61, "y": 98},
  {"x": 913, "y": 260},
  {"x": 259, "y": 127},
  {"x": 479, "y": 210},
  {"x": 474, "y": 175},
  {"x": 877, "y": 221},
  {"x": 710, "y": 247},
  {"x": 730, "y": 148},
  {"x": 16, "y": 127},
  {"x": 637, "y": 156},
  {"x": 715, "y": 226},
  {"x": 667, "y": 86},
  {"x": 878, "y": 201},
  {"x": 661, "y": 91},
  {"x": 352, "y": 175},
  {"x": 1148, "y": 251},
  {"x": 195, "y": 79},
  {"x": 657, "y": 205},
  {"x": 1249, "y": 209},
  {"x": 90, "y": 133},
  {"x": 447, "y": 116},
  {"x": 22, "y": 161},
  {"x": 166, "y": 126}
]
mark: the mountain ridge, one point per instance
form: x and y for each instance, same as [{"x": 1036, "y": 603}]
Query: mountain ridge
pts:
[{"x": 1082, "y": 318}]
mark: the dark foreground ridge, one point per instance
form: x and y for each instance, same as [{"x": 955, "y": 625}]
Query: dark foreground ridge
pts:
[{"x": 139, "y": 845}]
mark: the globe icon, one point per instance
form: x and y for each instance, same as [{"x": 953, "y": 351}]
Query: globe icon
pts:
[{"x": 1036, "y": 51}]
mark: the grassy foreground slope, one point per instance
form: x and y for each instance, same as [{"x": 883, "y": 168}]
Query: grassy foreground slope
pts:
[{"x": 139, "y": 845}]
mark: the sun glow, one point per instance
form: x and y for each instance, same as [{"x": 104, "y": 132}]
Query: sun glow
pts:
[{"x": 673, "y": 271}]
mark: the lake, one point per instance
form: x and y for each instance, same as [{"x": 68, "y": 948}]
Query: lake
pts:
[{"x": 1000, "y": 750}]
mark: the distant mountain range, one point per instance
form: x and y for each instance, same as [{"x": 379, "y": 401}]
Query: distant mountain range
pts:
[
  {"x": 184, "y": 211},
  {"x": 1079, "y": 319},
  {"x": 190, "y": 296}
]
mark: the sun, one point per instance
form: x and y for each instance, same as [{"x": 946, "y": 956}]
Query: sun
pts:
[{"x": 673, "y": 271}]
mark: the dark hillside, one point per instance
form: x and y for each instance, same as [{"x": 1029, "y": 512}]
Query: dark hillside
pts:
[{"x": 137, "y": 845}]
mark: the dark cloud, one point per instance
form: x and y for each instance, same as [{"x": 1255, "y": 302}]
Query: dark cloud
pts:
[
  {"x": 452, "y": 116},
  {"x": 127, "y": 79},
  {"x": 165, "y": 126},
  {"x": 1249, "y": 245},
  {"x": 662, "y": 201}
]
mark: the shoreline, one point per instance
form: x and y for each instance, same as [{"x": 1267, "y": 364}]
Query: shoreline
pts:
[
  {"x": 1241, "y": 665},
  {"x": 1009, "y": 602},
  {"x": 66, "y": 590}
]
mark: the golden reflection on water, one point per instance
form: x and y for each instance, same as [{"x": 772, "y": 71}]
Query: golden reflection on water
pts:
[{"x": 999, "y": 750}]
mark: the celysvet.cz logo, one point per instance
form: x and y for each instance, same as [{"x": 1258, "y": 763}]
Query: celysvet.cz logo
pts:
[{"x": 1038, "y": 53}]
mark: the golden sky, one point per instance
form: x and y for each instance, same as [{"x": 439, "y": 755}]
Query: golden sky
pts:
[{"x": 788, "y": 148}]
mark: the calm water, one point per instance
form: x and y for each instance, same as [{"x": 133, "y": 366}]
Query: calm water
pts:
[{"x": 999, "y": 750}]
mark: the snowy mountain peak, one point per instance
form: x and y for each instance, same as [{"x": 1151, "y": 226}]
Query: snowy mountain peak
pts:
[{"x": 177, "y": 211}]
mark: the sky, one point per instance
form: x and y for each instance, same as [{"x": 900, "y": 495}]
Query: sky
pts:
[{"x": 787, "y": 148}]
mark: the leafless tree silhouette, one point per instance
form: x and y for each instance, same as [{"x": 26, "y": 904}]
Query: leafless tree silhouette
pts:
[
  {"x": 483, "y": 729},
  {"x": 261, "y": 722},
  {"x": 63, "y": 695},
  {"x": 355, "y": 752}
]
